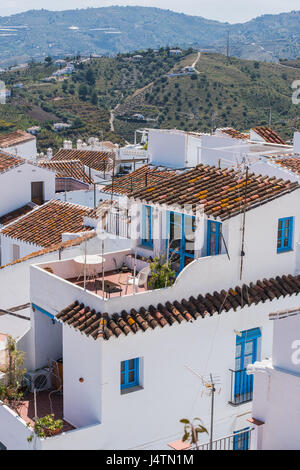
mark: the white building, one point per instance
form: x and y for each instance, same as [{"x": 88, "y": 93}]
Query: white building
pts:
[
  {"x": 276, "y": 408},
  {"x": 44, "y": 226},
  {"x": 19, "y": 143},
  {"x": 22, "y": 183},
  {"x": 128, "y": 358}
]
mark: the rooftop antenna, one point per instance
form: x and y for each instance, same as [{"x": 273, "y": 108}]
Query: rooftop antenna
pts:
[{"x": 210, "y": 385}]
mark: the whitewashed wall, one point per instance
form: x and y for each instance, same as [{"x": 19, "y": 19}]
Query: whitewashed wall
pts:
[
  {"x": 167, "y": 148},
  {"x": 15, "y": 186},
  {"x": 26, "y": 150}
]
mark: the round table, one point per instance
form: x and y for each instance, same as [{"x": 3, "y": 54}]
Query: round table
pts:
[{"x": 89, "y": 260}]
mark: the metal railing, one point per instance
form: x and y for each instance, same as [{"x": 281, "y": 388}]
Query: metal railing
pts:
[
  {"x": 237, "y": 441},
  {"x": 118, "y": 223},
  {"x": 241, "y": 387}
]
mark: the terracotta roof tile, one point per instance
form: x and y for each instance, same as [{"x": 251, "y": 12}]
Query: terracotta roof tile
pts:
[
  {"x": 269, "y": 135},
  {"x": 221, "y": 192},
  {"x": 67, "y": 168},
  {"x": 13, "y": 215},
  {"x": 145, "y": 176},
  {"x": 101, "y": 325},
  {"x": 234, "y": 133},
  {"x": 291, "y": 163},
  {"x": 45, "y": 225},
  {"x": 9, "y": 161},
  {"x": 14, "y": 138},
  {"x": 97, "y": 160}
]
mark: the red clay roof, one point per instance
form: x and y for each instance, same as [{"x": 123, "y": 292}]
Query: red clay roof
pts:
[
  {"x": 101, "y": 325},
  {"x": 139, "y": 179},
  {"x": 9, "y": 161},
  {"x": 13, "y": 215},
  {"x": 100, "y": 161},
  {"x": 269, "y": 135},
  {"x": 221, "y": 192},
  {"x": 291, "y": 163},
  {"x": 68, "y": 168},
  {"x": 45, "y": 225},
  {"x": 234, "y": 133},
  {"x": 14, "y": 138}
]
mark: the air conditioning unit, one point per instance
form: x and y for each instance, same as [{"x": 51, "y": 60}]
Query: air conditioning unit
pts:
[{"x": 38, "y": 380}]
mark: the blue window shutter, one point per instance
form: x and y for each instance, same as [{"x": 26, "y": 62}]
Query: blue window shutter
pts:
[
  {"x": 130, "y": 373},
  {"x": 285, "y": 234},
  {"x": 147, "y": 236}
]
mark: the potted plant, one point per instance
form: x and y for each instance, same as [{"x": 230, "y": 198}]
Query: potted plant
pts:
[
  {"x": 161, "y": 274},
  {"x": 191, "y": 431},
  {"x": 46, "y": 427}
]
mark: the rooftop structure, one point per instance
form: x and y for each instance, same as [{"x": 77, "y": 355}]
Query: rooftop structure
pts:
[
  {"x": 45, "y": 225},
  {"x": 15, "y": 138},
  {"x": 266, "y": 134},
  {"x": 138, "y": 179},
  {"x": 221, "y": 193}
]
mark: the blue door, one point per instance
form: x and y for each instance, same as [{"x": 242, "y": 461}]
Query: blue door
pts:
[
  {"x": 241, "y": 440},
  {"x": 246, "y": 353},
  {"x": 181, "y": 232},
  {"x": 214, "y": 238}
]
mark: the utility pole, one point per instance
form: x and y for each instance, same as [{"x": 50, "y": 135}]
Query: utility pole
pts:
[
  {"x": 228, "y": 46},
  {"x": 212, "y": 412}
]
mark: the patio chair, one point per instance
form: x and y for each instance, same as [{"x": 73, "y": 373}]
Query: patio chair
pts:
[{"x": 139, "y": 280}]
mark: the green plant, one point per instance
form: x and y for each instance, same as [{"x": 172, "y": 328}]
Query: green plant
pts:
[
  {"x": 11, "y": 392},
  {"x": 46, "y": 427},
  {"x": 191, "y": 431},
  {"x": 161, "y": 274}
]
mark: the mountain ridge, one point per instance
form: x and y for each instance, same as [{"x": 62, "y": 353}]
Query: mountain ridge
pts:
[{"x": 114, "y": 29}]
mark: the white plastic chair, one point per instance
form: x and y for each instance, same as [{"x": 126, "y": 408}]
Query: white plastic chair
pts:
[{"x": 139, "y": 280}]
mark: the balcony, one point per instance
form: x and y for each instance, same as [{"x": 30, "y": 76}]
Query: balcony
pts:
[
  {"x": 241, "y": 387},
  {"x": 237, "y": 441}
]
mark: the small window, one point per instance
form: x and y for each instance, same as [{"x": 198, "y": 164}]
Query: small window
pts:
[
  {"x": 285, "y": 234},
  {"x": 147, "y": 226},
  {"x": 214, "y": 238},
  {"x": 129, "y": 373}
]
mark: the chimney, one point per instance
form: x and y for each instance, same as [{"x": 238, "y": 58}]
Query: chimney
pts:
[
  {"x": 49, "y": 153},
  {"x": 79, "y": 144},
  {"x": 67, "y": 144}
]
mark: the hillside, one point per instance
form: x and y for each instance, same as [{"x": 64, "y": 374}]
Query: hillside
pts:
[
  {"x": 110, "y": 30},
  {"x": 118, "y": 95}
]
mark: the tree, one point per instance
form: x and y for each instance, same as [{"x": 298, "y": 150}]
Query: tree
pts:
[
  {"x": 94, "y": 98},
  {"x": 82, "y": 92},
  {"x": 48, "y": 60},
  {"x": 90, "y": 77},
  {"x": 191, "y": 431}
]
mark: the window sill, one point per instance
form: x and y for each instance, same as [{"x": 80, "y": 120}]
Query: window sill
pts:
[
  {"x": 285, "y": 251},
  {"x": 146, "y": 247},
  {"x": 125, "y": 391}
]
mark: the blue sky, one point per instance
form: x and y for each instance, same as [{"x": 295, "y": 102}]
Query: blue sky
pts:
[{"x": 230, "y": 10}]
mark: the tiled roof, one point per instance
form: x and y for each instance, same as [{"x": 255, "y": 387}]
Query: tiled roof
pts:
[
  {"x": 67, "y": 168},
  {"x": 59, "y": 246},
  {"x": 269, "y": 135},
  {"x": 13, "y": 215},
  {"x": 99, "y": 324},
  {"x": 292, "y": 164},
  {"x": 221, "y": 192},
  {"x": 234, "y": 133},
  {"x": 100, "y": 161},
  {"x": 8, "y": 161},
  {"x": 14, "y": 138},
  {"x": 45, "y": 225},
  {"x": 142, "y": 177}
]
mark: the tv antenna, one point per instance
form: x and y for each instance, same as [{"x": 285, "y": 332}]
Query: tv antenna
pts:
[{"x": 211, "y": 385}]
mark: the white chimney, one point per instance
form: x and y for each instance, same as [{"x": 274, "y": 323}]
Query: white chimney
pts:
[
  {"x": 49, "y": 153},
  {"x": 297, "y": 142},
  {"x": 67, "y": 144},
  {"x": 79, "y": 144}
]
